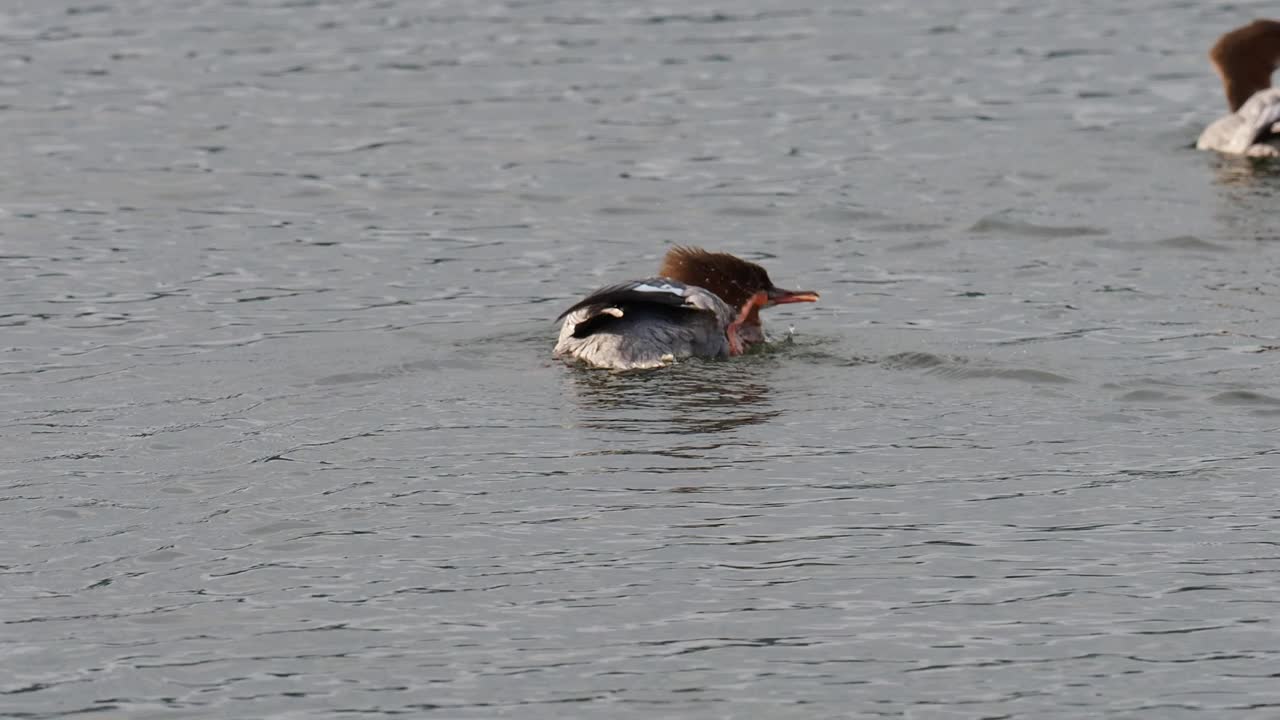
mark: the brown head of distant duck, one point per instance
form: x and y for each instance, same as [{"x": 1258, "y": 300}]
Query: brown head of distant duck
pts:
[{"x": 1245, "y": 59}]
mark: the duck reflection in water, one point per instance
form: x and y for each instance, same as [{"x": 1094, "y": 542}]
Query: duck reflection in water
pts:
[
  {"x": 693, "y": 397},
  {"x": 1247, "y": 189}
]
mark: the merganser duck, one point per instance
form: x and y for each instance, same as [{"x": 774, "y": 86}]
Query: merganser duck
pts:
[
  {"x": 702, "y": 304},
  {"x": 1245, "y": 59}
]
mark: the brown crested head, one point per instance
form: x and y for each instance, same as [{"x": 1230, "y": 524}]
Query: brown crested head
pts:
[
  {"x": 1245, "y": 59},
  {"x": 742, "y": 285},
  {"x": 732, "y": 279}
]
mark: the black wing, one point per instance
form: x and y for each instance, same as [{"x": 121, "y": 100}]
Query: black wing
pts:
[{"x": 654, "y": 291}]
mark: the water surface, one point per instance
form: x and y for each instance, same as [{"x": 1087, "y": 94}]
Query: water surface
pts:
[{"x": 282, "y": 436}]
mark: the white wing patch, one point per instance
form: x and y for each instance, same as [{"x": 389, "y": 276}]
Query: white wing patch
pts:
[{"x": 669, "y": 289}]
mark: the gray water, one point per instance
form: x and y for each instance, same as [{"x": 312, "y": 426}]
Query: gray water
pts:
[{"x": 282, "y": 436}]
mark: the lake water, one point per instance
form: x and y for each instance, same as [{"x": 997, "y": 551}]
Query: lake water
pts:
[{"x": 282, "y": 436}]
